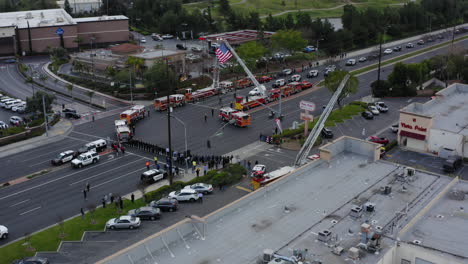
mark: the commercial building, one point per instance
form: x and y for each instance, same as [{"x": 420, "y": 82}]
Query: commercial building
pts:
[
  {"x": 28, "y": 32},
  {"x": 174, "y": 58},
  {"x": 347, "y": 207},
  {"x": 238, "y": 37},
  {"x": 439, "y": 126},
  {"x": 82, "y": 6}
]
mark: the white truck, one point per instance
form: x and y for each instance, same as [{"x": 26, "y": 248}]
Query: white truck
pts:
[
  {"x": 122, "y": 131},
  {"x": 85, "y": 159}
]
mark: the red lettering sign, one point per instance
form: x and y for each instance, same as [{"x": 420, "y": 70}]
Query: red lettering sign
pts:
[{"x": 422, "y": 129}]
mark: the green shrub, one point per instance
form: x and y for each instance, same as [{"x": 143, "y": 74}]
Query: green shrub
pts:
[{"x": 391, "y": 145}]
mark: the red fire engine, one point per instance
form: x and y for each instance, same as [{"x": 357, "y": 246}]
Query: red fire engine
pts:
[
  {"x": 131, "y": 116},
  {"x": 242, "y": 83},
  {"x": 199, "y": 94},
  {"x": 237, "y": 118},
  {"x": 306, "y": 85},
  {"x": 160, "y": 104}
]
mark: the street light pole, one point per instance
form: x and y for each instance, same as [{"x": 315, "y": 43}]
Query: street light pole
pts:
[
  {"x": 185, "y": 136},
  {"x": 169, "y": 125},
  {"x": 380, "y": 62}
]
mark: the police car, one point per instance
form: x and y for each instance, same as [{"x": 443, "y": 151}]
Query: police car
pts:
[
  {"x": 63, "y": 157},
  {"x": 153, "y": 175}
]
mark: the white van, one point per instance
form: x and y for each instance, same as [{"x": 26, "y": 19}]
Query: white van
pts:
[{"x": 279, "y": 83}]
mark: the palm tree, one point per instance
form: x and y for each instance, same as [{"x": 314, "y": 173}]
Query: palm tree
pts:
[
  {"x": 43, "y": 78},
  {"x": 136, "y": 63},
  {"x": 90, "y": 94},
  {"x": 70, "y": 89},
  {"x": 111, "y": 72},
  {"x": 30, "y": 80}
]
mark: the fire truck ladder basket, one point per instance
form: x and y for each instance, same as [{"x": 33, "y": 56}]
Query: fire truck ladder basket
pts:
[{"x": 315, "y": 133}]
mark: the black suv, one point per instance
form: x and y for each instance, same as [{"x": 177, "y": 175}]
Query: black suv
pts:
[
  {"x": 71, "y": 113},
  {"x": 452, "y": 164},
  {"x": 326, "y": 133},
  {"x": 181, "y": 47},
  {"x": 165, "y": 204}
]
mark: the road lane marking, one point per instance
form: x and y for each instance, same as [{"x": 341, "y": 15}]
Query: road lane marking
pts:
[
  {"x": 48, "y": 153},
  {"x": 19, "y": 203},
  {"x": 244, "y": 189},
  {"x": 100, "y": 184},
  {"x": 73, "y": 183},
  {"x": 34, "y": 209},
  {"x": 39, "y": 163},
  {"x": 54, "y": 180},
  {"x": 89, "y": 135}
]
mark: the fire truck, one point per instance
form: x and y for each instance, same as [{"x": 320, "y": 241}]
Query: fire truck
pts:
[
  {"x": 234, "y": 116},
  {"x": 249, "y": 102},
  {"x": 122, "y": 131},
  {"x": 130, "y": 116},
  {"x": 199, "y": 94},
  {"x": 140, "y": 109},
  {"x": 306, "y": 85},
  {"x": 242, "y": 83},
  {"x": 176, "y": 100}
]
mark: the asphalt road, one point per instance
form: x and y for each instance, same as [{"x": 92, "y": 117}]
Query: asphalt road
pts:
[{"x": 59, "y": 193}]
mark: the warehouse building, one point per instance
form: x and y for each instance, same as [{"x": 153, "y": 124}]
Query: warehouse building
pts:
[
  {"x": 28, "y": 32},
  {"x": 439, "y": 126}
]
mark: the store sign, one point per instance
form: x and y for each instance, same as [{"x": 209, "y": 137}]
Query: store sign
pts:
[{"x": 413, "y": 127}]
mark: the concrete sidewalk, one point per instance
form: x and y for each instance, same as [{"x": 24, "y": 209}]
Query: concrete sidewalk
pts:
[{"x": 56, "y": 133}]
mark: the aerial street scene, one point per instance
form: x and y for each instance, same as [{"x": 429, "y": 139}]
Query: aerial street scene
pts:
[{"x": 234, "y": 131}]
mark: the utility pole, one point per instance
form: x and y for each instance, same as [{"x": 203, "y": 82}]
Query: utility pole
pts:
[
  {"x": 171, "y": 177},
  {"x": 378, "y": 69},
  {"x": 45, "y": 116}
]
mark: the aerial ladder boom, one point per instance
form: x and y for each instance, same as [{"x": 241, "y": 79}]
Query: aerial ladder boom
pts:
[{"x": 315, "y": 133}]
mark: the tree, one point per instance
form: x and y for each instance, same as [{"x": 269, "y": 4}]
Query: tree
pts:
[
  {"x": 290, "y": 40},
  {"x": 224, "y": 7},
  {"x": 135, "y": 64},
  {"x": 67, "y": 7},
  {"x": 70, "y": 89},
  {"x": 30, "y": 80},
  {"x": 122, "y": 76},
  {"x": 380, "y": 88},
  {"x": 400, "y": 81},
  {"x": 34, "y": 103},
  {"x": 43, "y": 78},
  {"x": 161, "y": 78},
  {"x": 332, "y": 82},
  {"x": 90, "y": 94},
  {"x": 250, "y": 52}
]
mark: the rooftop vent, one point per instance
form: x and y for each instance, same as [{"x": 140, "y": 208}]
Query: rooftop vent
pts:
[
  {"x": 417, "y": 242},
  {"x": 440, "y": 216},
  {"x": 29, "y": 15},
  {"x": 324, "y": 235},
  {"x": 59, "y": 19}
]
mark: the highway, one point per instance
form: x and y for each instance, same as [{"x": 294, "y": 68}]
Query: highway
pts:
[{"x": 37, "y": 203}]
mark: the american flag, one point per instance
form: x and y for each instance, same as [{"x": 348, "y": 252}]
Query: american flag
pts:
[{"x": 223, "y": 54}]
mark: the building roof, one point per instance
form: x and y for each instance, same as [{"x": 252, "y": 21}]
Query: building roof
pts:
[
  {"x": 284, "y": 212},
  {"x": 157, "y": 54},
  {"x": 449, "y": 109},
  {"x": 238, "y": 37},
  {"x": 72, "y": 2},
  {"x": 100, "y": 18},
  {"x": 36, "y": 18},
  {"x": 127, "y": 48},
  {"x": 442, "y": 226}
]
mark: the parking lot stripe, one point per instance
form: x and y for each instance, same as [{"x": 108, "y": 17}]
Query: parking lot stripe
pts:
[
  {"x": 34, "y": 209},
  {"x": 19, "y": 203},
  {"x": 244, "y": 189}
]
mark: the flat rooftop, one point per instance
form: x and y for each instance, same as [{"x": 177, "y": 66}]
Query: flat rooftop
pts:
[
  {"x": 284, "y": 212},
  {"x": 449, "y": 109},
  {"x": 445, "y": 225},
  {"x": 36, "y": 18},
  {"x": 99, "y": 18},
  {"x": 238, "y": 37},
  {"x": 157, "y": 54}
]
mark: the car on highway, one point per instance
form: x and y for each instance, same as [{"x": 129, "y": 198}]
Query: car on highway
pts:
[
  {"x": 63, "y": 157},
  {"x": 3, "y": 125},
  {"x": 153, "y": 175},
  {"x": 397, "y": 48},
  {"x": 278, "y": 83},
  {"x": 295, "y": 78},
  {"x": 382, "y": 107},
  {"x": 196, "y": 49},
  {"x": 421, "y": 42},
  {"x": 201, "y": 188},
  {"x": 264, "y": 79},
  {"x": 85, "y": 159},
  {"x": 9, "y": 61},
  {"x": 184, "y": 195},
  {"x": 16, "y": 120},
  {"x": 32, "y": 260},
  {"x": 309, "y": 49},
  {"x": 367, "y": 115},
  {"x": 156, "y": 37},
  {"x": 373, "y": 109},
  {"x": 167, "y": 36},
  {"x": 165, "y": 204},
  {"x": 312, "y": 73},
  {"x": 3, "y": 232},
  {"x": 351, "y": 62},
  {"x": 181, "y": 47},
  {"x": 362, "y": 59},
  {"x": 146, "y": 213},
  {"x": 380, "y": 140},
  {"x": 96, "y": 146},
  {"x": 123, "y": 221},
  {"x": 388, "y": 51},
  {"x": 287, "y": 71},
  {"x": 395, "y": 128},
  {"x": 143, "y": 40},
  {"x": 326, "y": 133},
  {"x": 409, "y": 45}
]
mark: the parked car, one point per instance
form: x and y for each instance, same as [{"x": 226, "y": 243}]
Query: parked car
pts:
[
  {"x": 196, "y": 49},
  {"x": 420, "y": 42},
  {"x": 153, "y": 175},
  {"x": 143, "y": 40},
  {"x": 295, "y": 78},
  {"x": 10, "y": 104},
  {"x": 146, "y": 213},
  {"x": 312, "y": 73},
  {"x": 362, "y": 59},
  {"x": 409, "y": 45},
  {"x": 326, "y": 133},
  {"x": 124, "y": 221},
  {"x": 3, "y": 232},
  {"x": 181, "y": 47},
  {"x": 388, "y": 51},
  {"x": 309, "y": 49},
  {"x": 373, "y": 110},
  {"x": 167, "y": 36},
  {"x": 156, "y": 37},
  {"x": 3, "y": 125},
  {"x": 184, "y": 195},
  {"x": 201, "y": 188},
  {"x": 279, "y": 83},
  {"x": 85, "y": 159},
  {"x": 395, "y": 128},
  {"x": 367, "y": 115},
  {"x": 32, "y": 260},
  {"x": 397, "y": 48},
  {"x": 452, "y": 164},
  {"x": 351, "y": 62},
  {"x": 16, "y": 120},
  {"x": 165, "y": 204},
  {"x": 3, "y": 102},
  {"x": 287, "y": 71},
  {"x": 380, "y": 140},
  {"x": 382, "y": 107},
  {"x": 19, "y": 108},
  {"x": 63, "y": 157}
]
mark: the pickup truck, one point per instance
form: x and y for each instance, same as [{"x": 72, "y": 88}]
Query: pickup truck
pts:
[{"x": 85, "y": 159}]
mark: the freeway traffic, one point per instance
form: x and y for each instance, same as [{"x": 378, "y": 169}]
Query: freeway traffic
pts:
[{"x": 59, "y": 192}]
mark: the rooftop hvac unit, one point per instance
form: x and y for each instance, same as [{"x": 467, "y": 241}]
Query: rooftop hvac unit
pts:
[
  {"x": 353, "y": 253},
  {"x": 59, "y": 19},
  {"x": 29, "y": 15},
  {"x": 370, "y": 207},
  {"x": 324, "y": 236},
  {"x": 386, "y": 189},
  {"x": 267, "y": 255},
  {"x": 410, "y": 171},
  {"x": 356, "y": 211}
]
